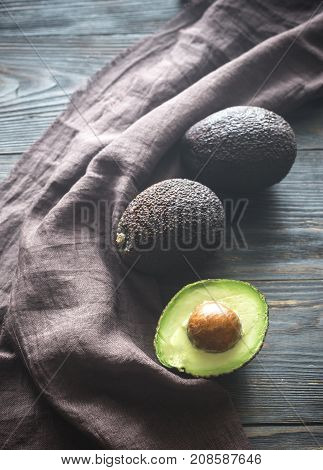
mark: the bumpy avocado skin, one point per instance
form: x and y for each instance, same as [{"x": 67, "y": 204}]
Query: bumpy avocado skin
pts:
[
  {"x": 241, "y": 149},
  {"x": 181, "y": 292},
  {"x": 167, "y": 221}
]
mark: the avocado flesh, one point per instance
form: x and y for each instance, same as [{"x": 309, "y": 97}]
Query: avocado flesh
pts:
[{"x": 173, "y": 347}]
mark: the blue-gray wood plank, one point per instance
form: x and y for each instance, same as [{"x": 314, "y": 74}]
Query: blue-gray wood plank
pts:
[{"x": 280, "y": 394}]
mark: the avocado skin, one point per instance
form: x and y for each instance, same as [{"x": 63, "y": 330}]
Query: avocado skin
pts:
[
  {"x": 241, "y": 149},
  {"x": 180, "y": 292},
  {"x": 155, "y": 222}
]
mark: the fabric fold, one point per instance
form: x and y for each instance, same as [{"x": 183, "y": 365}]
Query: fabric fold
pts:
[{"x": 77, "y": 325}]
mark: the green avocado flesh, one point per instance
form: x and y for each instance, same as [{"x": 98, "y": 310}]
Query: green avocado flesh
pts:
[{"x": 173, "y": 346}]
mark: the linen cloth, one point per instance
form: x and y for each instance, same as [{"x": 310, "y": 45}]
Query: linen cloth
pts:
[{"x": 77, "y": 367}]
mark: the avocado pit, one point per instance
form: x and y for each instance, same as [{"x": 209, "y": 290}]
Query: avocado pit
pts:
[{"x": 213, "y": 327}]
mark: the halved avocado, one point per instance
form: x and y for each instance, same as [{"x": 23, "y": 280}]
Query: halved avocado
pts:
[{"x": 174, "y": 345}]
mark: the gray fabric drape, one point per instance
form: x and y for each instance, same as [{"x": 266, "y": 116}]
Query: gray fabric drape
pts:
[{"x": 77, "y": 368}]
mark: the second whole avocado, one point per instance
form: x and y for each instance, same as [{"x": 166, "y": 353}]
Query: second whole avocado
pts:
[
  {"x": 168, "y": 223},
  {"x": 240, "y": 149}
]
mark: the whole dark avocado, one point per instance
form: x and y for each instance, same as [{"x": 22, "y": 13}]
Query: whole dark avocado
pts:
[
  {"x": 169, "y": 219},
  {"x": 240, "y": 149}
]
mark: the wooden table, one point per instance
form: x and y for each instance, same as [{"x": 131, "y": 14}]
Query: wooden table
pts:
[{"x": 280, "y": 394}]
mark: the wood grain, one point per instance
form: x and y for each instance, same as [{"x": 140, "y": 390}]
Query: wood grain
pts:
[
  {"x": 37, "y": 81},
  {"x": 284, "y": 383},
  {"x": 6, "y": 163},
  {"x": 85, "y": 17},
  {"x": 307, "y": 123},
  {"x": 30, "y": 101},
  {"x": 282, "y": 229},
  {"x": 285, "y": 437},
  {"x": 48, "y": 49}
]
